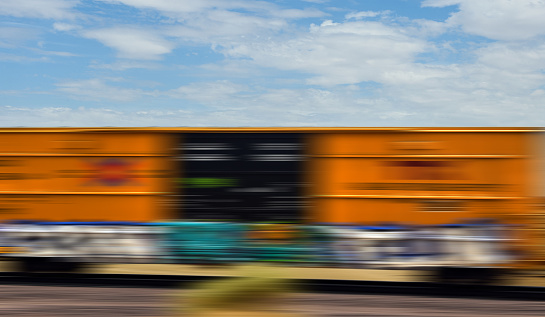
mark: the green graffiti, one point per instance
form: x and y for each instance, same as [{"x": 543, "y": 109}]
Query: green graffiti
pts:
[{"x": 206, "y": 182}]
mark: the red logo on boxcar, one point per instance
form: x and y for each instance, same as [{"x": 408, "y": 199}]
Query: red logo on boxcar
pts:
[{"x": 111, "y": 172}]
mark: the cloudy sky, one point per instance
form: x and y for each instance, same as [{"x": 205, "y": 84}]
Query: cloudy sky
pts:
[{"x": 272, "y": 63}]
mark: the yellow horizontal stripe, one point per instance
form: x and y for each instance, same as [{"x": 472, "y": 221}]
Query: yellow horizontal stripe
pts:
[
  {"x": 420, "y": 156},
  {"x": 87, "y": 154},
  {"x": 313, "y": 156},
  {"x": 80, "y": 193},
  {"x": 413, "y": 197}
]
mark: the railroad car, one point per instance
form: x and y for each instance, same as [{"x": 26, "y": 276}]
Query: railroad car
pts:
[{"x": 342, "y": 177}]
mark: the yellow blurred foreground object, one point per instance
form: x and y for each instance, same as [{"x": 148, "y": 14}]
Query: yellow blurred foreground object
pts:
[
  {"x": 256, "y": 292},
  {"x": 248, "y": 313}
]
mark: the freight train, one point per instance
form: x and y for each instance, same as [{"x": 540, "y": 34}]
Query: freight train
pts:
[{"x": 326, "y": 183}]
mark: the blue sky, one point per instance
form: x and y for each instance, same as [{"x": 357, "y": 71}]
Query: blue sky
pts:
[{"x": 272, "y": 63}]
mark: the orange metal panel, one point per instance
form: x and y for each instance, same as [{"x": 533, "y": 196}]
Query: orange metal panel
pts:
[
  {"x": 84, "y": 143},
  {"x": 85, "y": 176},
  {"x": 390, "y": 176},
  {"x": 395, "y": 143},
  {"x": 83, "y": 207}
]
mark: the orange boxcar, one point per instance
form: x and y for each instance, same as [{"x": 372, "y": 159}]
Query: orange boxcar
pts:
[
  {"x": 352, "y": 175},
  {"x": 347, "y": 175}
]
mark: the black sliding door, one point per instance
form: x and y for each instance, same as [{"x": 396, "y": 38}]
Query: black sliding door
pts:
[{"x": 249, "y": 177}]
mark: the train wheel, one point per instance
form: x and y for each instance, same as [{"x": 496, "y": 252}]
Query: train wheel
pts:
[
  {"x": 468, "y": 275},
  {"x": 34, "y": 265}
]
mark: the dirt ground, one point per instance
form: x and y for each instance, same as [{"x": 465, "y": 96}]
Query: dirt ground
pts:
[{"x": 53, "y": 301}]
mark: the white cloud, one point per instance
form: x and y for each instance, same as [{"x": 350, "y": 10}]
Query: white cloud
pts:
[
  {"x": 240, "y": 107},
  {"x": 515, "y": 58},
  {"x": 510, "y": 20},
  {"x": 132, "y": 43},
  {"x": 59, "y": 116},
  {"x": 428, "y": 28},
  {"x": 18, "y": 58},
  {"x": 12, "y": 36},
  {"x": 64, "y": 27},
  {"x": 469, "y": 97},
  {"x": 219, "y": 21},
  {"x": 341, "y": 106},
  {"x": 46, "y": 9},
  {"x": 365, "y": 14},
  {"x": 440, "y": 3},
  {"x": 108, "y": 117},
  {"x": 210, "y": 93},
  {"x": 97, "y": 90},
  {"x": 225, "y": 27},
  {"x": 338, "y": 53},
  {"x": 122, "y": 65},
  {"x": 53, "y": 53},
  {"x": 297, "y": 13},
  {"x": 173, "y": 6},
  {"x": 184, "y": 9}
]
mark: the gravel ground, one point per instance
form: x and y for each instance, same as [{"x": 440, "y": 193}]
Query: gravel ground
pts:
[
  {"x": 401, "y": 305},
  {"x": 53, "y": 301}
]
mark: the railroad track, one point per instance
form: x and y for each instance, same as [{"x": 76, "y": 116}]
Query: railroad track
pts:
[{"x": 307, "y": 285}]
